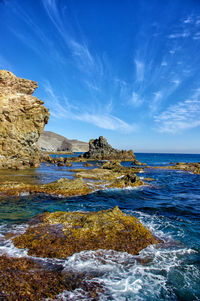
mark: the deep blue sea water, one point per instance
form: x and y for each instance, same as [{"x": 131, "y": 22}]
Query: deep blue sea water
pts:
[{"x": 169, "y": 207}]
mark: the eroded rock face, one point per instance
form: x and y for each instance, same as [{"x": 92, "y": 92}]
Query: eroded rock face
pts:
[
  {"x": 99, "y": 149},
  {"x": 22, "y": 120},
  {"x": 62, "y": 234}
]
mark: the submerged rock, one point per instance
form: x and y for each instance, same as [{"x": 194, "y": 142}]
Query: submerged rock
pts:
[
  {"x": 22, "y": 120},
  {"x": 62, "y": 234},
  {"x": 190, "y": 167},
  {"x": 117, "y": 167},
  {"x": 62, "y": 186},
  {"x": 99, "y": 149}
]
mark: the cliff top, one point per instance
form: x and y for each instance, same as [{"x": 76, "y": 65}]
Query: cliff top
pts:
[{"x": 11, "y": 84}]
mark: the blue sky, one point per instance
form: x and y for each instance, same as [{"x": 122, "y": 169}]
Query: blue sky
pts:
[{"x": 125, "y": 69}]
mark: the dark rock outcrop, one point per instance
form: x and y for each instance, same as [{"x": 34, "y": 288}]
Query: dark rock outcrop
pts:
[
  {"x": 99, "y": 149},
  {"x": 22, "y": 119}
]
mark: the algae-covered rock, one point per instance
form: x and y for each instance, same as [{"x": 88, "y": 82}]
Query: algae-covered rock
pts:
[
  {"x": 24, "y": 279},
  {"x": 62, "y": 186},
  {"x": 128, "y": 180},
  {"x": 112, "y": 175},
  {"x": 98, "y": 174},
  {"x": 22, "y": 120},
  {"x": 62, "y": 234},
  {"x": 116, "y": 166},
  {"x": 190, "y": 167}
]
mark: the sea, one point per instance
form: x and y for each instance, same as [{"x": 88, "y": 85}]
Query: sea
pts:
[{"x": 169, "y": 206}]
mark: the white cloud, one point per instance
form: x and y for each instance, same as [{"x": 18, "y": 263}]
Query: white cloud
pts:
[
  {"x": 135, "y": 99},
  {"x": 184, "y": 34},
  {"x": 181, "y": 116},
  {"x": 79, "y": 49},
  {"x": 91, "y": 85},
  {"x": 122, "y": 86},
  {"x": 188, "y": 20},
  {"x": 177, "y": 82},
  {"x": 157, "y": 96},
  {"x": 107, "y": 121},
  {"x": 66, "y": 110},
  {"x": 139, "y": 70}
]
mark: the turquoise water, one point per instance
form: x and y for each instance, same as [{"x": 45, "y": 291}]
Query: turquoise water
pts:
[{"x": 170, "y": 208}]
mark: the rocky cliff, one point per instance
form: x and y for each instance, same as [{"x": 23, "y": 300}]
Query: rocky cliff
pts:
[
  {"x": 52, "y": 142},
  {"x": 99, "y": 149},
  {"x": 22, "y": 119}
]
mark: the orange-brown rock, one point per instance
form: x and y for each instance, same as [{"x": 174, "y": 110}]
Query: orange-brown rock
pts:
[
  {"x": 62, "y": 186},
  {"x": 62, "y": 234},
  {"x": 22, "y": 119},
  {"x": 23, "y": 279}
]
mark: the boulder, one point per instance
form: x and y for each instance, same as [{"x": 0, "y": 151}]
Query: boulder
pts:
[
  {"x": 61, "y": 234},
  {"x": 99, "y": 149},
  {"x": 22, "y": 120}
]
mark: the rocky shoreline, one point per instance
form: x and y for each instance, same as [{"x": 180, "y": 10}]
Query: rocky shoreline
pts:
[{"x": 61, "y": 234}]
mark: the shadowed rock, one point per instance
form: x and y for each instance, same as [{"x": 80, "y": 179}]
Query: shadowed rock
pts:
[{"x": 99, "y": 149}]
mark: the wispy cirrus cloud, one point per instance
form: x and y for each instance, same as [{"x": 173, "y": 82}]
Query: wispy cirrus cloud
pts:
[
  {"x": 135, "y": 99},
  {"x": 184, "y": 34},
  {"x": 103, "y": 118},
  {"x": 139, "y": 70},
  {"x": 181, "y": 116},
  {"x": 177, "y": 82},
  {"x": 107, "y": 121},
  {"x": 79, "y": 48},
  {"x": 154, "y": 104}
]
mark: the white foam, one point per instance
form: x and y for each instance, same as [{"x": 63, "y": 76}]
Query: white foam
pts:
[
  {"x": 142, "y": 277},
  {"x": 124, "y": 276},
  {"x": 6, "y": 245}
]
